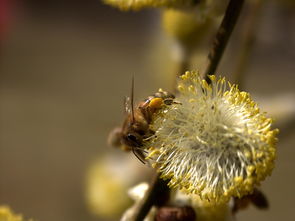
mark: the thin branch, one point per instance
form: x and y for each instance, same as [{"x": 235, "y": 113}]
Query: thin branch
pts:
[
  {"x": 157, "y": 194},
  {"x": 223, "y": 34}
]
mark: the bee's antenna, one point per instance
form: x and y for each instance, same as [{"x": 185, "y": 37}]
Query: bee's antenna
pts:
[
  {"x": 132, "y": 99},
  {"x": 137, "y": 155}
]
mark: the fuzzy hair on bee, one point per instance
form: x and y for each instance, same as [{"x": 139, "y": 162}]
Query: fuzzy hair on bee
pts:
[{"x": 136, "y": 125}]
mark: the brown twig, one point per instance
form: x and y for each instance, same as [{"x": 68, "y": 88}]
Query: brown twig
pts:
[
  {"x": 223, "y": 34},
  {"x": 155, "y": 195}
]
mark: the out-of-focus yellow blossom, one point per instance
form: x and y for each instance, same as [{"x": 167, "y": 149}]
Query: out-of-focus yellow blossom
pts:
[
  {"x": 107, "y": 181},
  {"x": 215, "y": 8},
  {"x": 215, "y": 143},
  {"x": 140, "y": 4},
  {"x": 186, "y": 26},
  {"x": 191, "y": 28},
  {"x": 189, "y": 25},
  {"x": 6, "y": 214}
]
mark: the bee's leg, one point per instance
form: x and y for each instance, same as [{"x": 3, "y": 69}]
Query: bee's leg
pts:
[
  {"x": 168, "y": 101},
  {"x": 145, "y": 151},
  {"x": 151, "y": 132}
]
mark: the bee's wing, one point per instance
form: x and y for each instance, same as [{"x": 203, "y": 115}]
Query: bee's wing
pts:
[
  {"x": 114, "y": 138},
  {"x": 127, "y": 105}
]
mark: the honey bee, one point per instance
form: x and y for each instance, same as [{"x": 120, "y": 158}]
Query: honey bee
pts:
[
  {"x": 257, "y": 198},
  {"x": 136, "y": 126}
]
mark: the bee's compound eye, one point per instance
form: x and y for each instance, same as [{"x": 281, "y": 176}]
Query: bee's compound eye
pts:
[{"x": 132, "y": 137}]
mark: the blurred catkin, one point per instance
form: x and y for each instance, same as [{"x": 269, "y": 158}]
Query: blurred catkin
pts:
[{"x": 6, "y": 214}]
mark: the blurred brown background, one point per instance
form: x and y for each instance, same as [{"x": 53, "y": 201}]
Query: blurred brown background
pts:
[{"x": 65, "y": 67}]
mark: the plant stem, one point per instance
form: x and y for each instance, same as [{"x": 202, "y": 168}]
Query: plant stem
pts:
[
  {"x": 155, "y": 195},
  {"x": 223, "y": 34}
]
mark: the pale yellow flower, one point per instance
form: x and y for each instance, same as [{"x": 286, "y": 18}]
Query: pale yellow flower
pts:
[
  {"x": 107, "y": 181},
  {"x": 186, "y": 26},
  {"x": 6, "y": 214},
  {"x": 215, "y": 142}
]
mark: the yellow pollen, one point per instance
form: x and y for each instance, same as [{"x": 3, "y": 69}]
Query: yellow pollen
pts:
[
  {"x": 238, "y": 179},
  {"x": 156, "y": 103}
]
